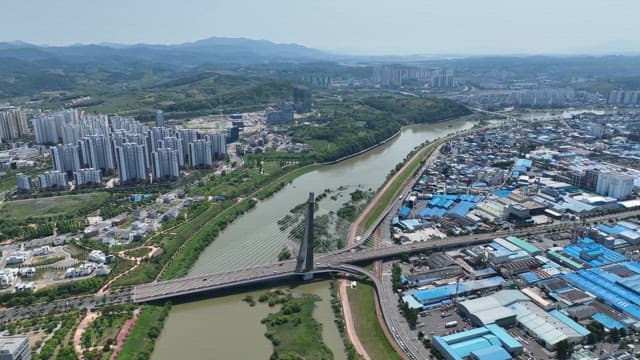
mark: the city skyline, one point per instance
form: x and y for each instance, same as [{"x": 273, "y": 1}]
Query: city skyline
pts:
[{"x": 414, "y": 27}]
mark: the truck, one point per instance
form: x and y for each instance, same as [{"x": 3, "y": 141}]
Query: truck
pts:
[{"x": 451, "y": 324}]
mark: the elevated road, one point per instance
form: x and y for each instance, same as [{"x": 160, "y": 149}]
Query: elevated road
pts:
[
  {"x": 223, "y": 280},
  {"x": 281, "y": 270}
]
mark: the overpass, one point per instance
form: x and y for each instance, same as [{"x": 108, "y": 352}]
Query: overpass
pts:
[{"x": 287, "y": 269}]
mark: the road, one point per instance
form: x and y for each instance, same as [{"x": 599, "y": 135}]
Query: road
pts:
[
  {"x": 190, "y": 285},
  {"x": 396, "y": 322},
  {"x": 65, "y": 305},
  {"x": 280, "y": 270}
]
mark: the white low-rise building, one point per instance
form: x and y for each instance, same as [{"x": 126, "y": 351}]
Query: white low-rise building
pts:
[
  {"x": 102, "y": 270},
  {"x": 25, "y": 287},
  {"x": 85, "y": 269},
  {"x": 17, "y": 257},
  {"x": 27, "y": 272},
  {"x": 97, "y": 256},
  {"x": 7, "y": 278},
  {"x": 41, "y": 251}
]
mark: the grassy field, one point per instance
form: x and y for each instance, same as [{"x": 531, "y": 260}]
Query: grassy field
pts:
[
  {"x": 42, "y": 207},
  {"x": 138, "y": 253},
  {"x": 363, "y": 309},
  {"x": 273, "y": 187},
  {"x": 9, "y": 181},
  {"x": 140, "y": 342}
]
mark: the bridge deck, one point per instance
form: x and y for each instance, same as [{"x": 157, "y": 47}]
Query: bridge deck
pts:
[{"x": 188, "y": 285}]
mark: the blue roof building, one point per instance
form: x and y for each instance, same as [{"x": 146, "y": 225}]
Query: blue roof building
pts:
[
  {"x": 488, "y": 342},
  {"x": 588, "y": 251},
  {"x": 607, "y": 321},
  {"x": 494, "y": 352},
  {"x": 404, "y": 212},
  {"x": 433, "y": 297},
  {"x": 525, "y": 163}
]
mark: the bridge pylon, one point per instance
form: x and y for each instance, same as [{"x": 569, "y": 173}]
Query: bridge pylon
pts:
[{"x": 304, "y": 261}]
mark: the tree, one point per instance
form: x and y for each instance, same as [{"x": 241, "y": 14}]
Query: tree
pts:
[
  {"x": 614, "y": 335},
  {"x": 396, "y": 277},
  {"x": 412, "y": 317},
  {"x": 563, "y": 350}
]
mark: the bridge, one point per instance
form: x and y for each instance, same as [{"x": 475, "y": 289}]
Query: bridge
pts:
[{"x": 304, "y": 267}]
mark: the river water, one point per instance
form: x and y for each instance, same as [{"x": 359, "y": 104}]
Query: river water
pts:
[
  {"x": 226, "y": 327},
  {"x": 255, "y": 238}
]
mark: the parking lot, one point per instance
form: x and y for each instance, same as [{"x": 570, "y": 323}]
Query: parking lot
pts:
[
  {"x": 531, "y": 346},
  {"x": 434, "y": 323}
]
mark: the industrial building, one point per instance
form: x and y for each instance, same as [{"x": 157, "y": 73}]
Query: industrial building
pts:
[
  {"x": 589, "y": 252},
  {"x": 617, "y": 285},
  {"x": 489, "y": 342},
  {"x": 508, "y": 307},
  {"x": 437, "y": 296}
]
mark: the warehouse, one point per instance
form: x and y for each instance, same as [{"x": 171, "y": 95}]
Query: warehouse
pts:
[
  {"x": 437, "y": 296},
  {"x": 493, "y": 308},
  {"x": 532, "y": 250},
  {"x": 588, "y": 251},
  {"x": 548, "y": 328},
  {"x": 488, "y": 342},
  {"x": 508, "y": 307}
]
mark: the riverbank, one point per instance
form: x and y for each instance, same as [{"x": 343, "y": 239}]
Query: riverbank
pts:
[
  {"x": 373, "y": 215},
  {"x": 228, "y": 251},
  {"x": 364, "y": 151},
  {"x": 366, "y": 324}
]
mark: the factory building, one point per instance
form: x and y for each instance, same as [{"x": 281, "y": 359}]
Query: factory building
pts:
[{"x": 487, "y": 342}]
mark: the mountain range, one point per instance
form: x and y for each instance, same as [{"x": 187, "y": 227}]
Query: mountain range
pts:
[{"x": 212, "y": 50}]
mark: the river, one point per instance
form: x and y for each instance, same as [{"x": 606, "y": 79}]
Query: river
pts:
[
  {"x": 228, "y": 327},
  {"x": 256, "y": 239}
]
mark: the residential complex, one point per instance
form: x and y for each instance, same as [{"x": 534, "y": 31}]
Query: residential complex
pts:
[{"x": 13, "y": 124}]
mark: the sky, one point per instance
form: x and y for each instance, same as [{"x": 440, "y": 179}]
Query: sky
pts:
[{"x": 393, "y": 27}]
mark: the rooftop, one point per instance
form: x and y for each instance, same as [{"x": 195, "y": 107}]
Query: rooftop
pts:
[
  {"x": 487, "y": 341},
  {"x": 10, "y": 344}
]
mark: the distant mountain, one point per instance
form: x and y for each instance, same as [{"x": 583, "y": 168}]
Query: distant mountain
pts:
[{"x": 211, "y": 50}]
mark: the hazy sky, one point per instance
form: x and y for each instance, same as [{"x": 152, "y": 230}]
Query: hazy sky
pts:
[{"x": 363, "y": 26}]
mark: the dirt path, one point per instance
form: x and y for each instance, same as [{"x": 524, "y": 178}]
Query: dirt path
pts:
[
  {"x": 351, "y": 331},
  {"x": 124, "y": 333},
  {"x": 353, "y": 336},
  {"x": 77, "y": 336}
]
